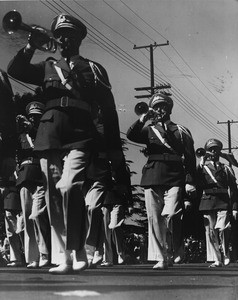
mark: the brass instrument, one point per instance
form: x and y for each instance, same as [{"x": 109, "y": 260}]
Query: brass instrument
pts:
[
  {"x": 200, "y": 152},
  {"x": 141, "y": 108},
  {"x": 12, "y": 21}
]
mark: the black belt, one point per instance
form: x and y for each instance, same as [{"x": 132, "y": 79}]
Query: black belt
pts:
[
  {"x": 216, "y": 191},
  {"x": 165, "y": 157},
  {"x": 65, "y": 101}
]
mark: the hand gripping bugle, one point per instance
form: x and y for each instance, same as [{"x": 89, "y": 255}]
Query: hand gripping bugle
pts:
[
  {"x": 12, "y": 21},
  {"x": 201, "y": 152},
  {"x": 143, "y": 108}
]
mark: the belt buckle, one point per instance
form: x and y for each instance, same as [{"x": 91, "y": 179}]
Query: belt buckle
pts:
[{"x": 64, "y": 101}]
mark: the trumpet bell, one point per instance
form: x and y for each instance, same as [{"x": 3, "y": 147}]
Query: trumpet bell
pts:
[
  {"x": 141, "y": 108},
  {"x": 200, "y": 152},
  {"x": 12, "y": 21}
]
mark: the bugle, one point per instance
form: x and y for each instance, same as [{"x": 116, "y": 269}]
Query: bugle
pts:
[
  {"x": 12, "y": 21},
  {"x": 200, "y": 152},
  {"x": 141, "y": 108}
]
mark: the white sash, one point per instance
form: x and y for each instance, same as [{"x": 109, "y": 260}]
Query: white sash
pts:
[
  {"x": 63, "y": 80},
  {"x": 96, "y": 72},
  {"x": 29, "y": 140},
  {"x": 163, "y": 141},
  {"x": 210, "y": 173}
]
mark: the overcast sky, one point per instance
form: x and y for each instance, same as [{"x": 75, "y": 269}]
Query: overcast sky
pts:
[{"x": 200, "y": 61}]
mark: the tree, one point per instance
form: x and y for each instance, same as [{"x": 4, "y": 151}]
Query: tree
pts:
[{"x": 135, "y": 225}]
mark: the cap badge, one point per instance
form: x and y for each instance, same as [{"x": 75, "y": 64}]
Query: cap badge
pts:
[{"x": 61, "y": 19}]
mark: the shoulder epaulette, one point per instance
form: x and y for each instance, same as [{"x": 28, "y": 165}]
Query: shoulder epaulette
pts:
[
  {"x": 184, "y": 130},
  {"x": 99, "y": 75}
]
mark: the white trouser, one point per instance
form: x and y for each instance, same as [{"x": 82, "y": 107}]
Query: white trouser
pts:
[
  {"x": 112, "y": 220},
  {"x": 162, "y": 205},
  {"x": 65, "y": 201},
  {"x": 36, "y": 222},
  {"x": 13, "y": 237},
  {"x": 217, "y": 226}
]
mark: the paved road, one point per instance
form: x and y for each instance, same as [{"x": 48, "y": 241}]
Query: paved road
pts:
[{"x": 182, "y": 282}]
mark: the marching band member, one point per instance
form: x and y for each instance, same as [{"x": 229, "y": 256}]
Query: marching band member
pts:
[
  {"x": 217, "y": 184},
  {"x": 9, "y": 192},
  {"x": 32, "y": 194},
  {"x": 170, "y": 169},
  {"x": 13, "y": 212},
  {"x": 66, "y": 139}
]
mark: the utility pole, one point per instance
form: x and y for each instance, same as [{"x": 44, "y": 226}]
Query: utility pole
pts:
[
  {"x": 229, "y": 133},
  {"x": 152, "y": 88}
]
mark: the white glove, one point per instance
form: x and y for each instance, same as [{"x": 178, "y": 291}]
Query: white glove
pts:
[
  {"x": 190, "y": 189},
  {"x": 187, "y": 205},
  {"x": 235, "y": 214},
  {"x": 202, "y": 161}
]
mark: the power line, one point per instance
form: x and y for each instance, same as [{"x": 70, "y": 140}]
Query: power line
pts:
[
  {"x": 194, "y": 112},
  {"x": 202, "y": 81},
  {"x": 140, "y": 31},
  {"x": 137, "y": 27},
  {"x": 100, "y": 42},
  {"x": 152, "y": 83},
  {"x": 143, "y": 19},
  {"x": 179, "y": 56},
  {"x": 194, "y": 85},
  {"x": 123, "y": 55},
  {"x": 151, "y": 47},
  {"x": 21, "y": 83},
  {"x": 229, "y": 131},
  {"x": 126, "y": 19},
  {"x": 117, "y": 32}
]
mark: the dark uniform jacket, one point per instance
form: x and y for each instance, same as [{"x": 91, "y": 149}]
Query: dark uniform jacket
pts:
[
  {"x": 8, "y": 136},
  {"x": 218, "y": 194},
  {"x": 67, "y": 127},
  {"x": 29, "y": 171},
  {"x": 173, "y": 166},
  {"x": 11, "y": 195},
  {"x": 12, "y": 200}
]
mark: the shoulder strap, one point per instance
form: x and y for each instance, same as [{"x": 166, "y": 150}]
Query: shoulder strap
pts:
[
  {"x": 98, "y": 75},
  {"x": 183, "y": 130},
  {"x": 29, "y": 140},
  {"x": 65, "y": 81},
  {"x": 210, "y": 173},
  {"x": 163, "y": 141},
  {"x": 228, "y": 169},
  {"x": 62, "y": 78},
  {"x": 5, "y": 81}
]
